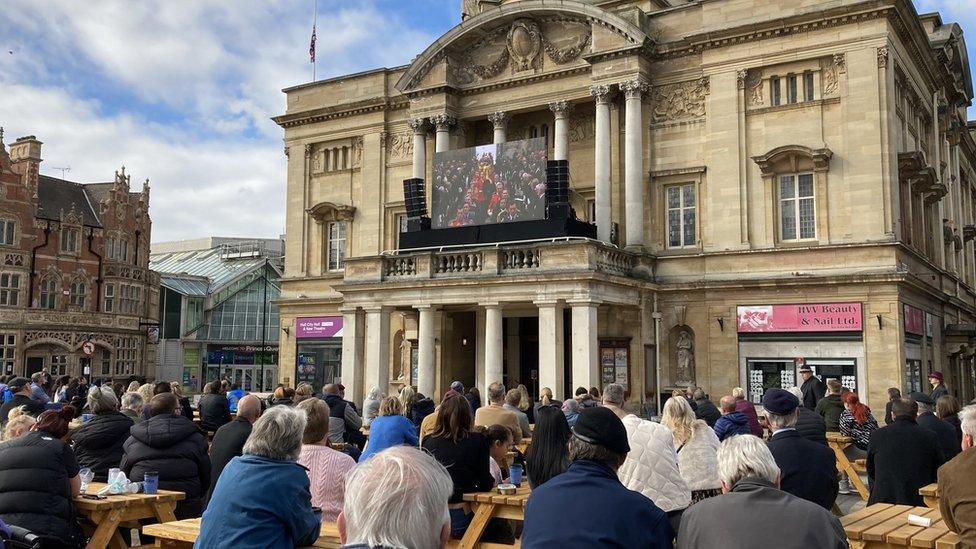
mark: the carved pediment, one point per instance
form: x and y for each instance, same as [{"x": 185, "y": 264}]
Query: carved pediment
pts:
[
  {"x": 325, "y": 212},
  {"x": 793, "y": 154}
]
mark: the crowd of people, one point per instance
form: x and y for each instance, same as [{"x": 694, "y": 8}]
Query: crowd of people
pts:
[{"x": 275, "y": 469}]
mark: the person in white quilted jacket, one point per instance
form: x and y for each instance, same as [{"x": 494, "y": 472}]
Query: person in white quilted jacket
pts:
[{"x": 651, "y": 467}]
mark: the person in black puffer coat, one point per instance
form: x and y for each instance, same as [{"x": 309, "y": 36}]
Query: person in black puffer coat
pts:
[
  {"x": 214, "y": 408},
  {"x": 421, "y": 408},
  {"x": 98, "y": 443},
  {"x": 706, "y": 410},
  {"x": 174, "y": 447},
  {"x": 809, "y": 424},
  {"x": 38, "y": 481}
]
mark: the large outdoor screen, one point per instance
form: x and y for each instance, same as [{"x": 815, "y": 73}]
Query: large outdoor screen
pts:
[{"x": 490, "y": 184}]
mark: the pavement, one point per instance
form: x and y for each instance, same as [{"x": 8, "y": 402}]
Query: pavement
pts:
[{"x": 850, "y": 503}]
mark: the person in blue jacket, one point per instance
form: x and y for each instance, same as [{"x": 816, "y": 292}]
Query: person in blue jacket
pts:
[
  {"x": 263, "y": 496},
  {"x": 613, "y": 516},
  {"x": 234, "y": 395},
  {"x": 732, "y": 422},
  {"x": 390, "y": 428}
]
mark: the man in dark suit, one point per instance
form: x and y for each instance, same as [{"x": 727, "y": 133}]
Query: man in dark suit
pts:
[
  {"x": 808, "y": 470},
  {"x": 229, "y": 440},
  {"x": 813, "y": 388},
  {"x": 902, "y": 457},
  {"x": 944, "y": 432}
]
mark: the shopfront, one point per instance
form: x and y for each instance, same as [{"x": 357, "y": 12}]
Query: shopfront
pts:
[
  {"x": 318, "y": 357},
  {"x": 775, "y": 341},
  {"x": 253, "y": 367}
]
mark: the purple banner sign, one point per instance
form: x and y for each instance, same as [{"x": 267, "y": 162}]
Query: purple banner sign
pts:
[{"x": 318, "y": 327}]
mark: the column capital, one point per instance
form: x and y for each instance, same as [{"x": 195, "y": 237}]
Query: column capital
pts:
[
  {"x": 491, "y": 305},
  {"x": 601, "y": 93},
  {"x": 349, "y": 310},
  {"x": 559, "y": 108},
  {"x": 443, "y": 121},
  {"x": 498, "y": 118},
  {"x": 418, "y": 125},
  {"x": 377, "y": 309},
  {"x": 431, "y": 308},
  {"x": 548, "y": 303},
  {"x": 634, "y": 89}
]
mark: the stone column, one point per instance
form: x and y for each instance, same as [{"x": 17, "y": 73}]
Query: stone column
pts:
[
  {"x": 586, "y": 367},
  {"x": 602, "y": 163},
  {"x": 500, "y": 121},
  {"x": 443, "y": 123},
  {"x": 493, "y": 345},
  {"x": 561, "y": 129},
  {"x": 426, "y": 369},
  {"x": 378, "y": 348},
  {"x": 353, "y": 329},
  {"x": 633, "y": 163},
  {"x": 551, "y": 353},
  {"x": 419, "y": 148}
]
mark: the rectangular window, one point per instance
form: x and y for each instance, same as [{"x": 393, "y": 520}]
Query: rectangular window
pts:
[
  {"x": 117, "y": 249},
  {"x": 126, "y": 353},
  {"x": 6, "y": 232},
  {"x": 69, "y": 240},
  {"x": 8, "y": 345},
  {"x": 791, "y": 89},
  {"x": 808, "y": 86},
  {"x": 109, "y": 305},
  {"x": 9, "y": 289},
  {"x": 76, "y": 295},
  {"x": 681, "y": 215},
  {"x": 49, "y": 293},
  {"x": 337, "y": 245},
  {"x": 59, "y": 365},
  {"x": 775, "y": 94},
  {"x": 129, "y": 298},
  {"x": 106, "y": 368},
  {"x": 797, "y": 211}
]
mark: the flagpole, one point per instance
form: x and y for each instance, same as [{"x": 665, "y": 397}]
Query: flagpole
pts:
[{"x": 315, "y": 15}]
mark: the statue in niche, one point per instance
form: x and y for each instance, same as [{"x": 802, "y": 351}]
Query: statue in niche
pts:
[
  {"x": 686, "y": 359},
  {"x": 404, "y": 367}
]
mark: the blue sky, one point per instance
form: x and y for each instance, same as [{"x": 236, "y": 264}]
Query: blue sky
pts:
[{"x": 182, "y": 91}]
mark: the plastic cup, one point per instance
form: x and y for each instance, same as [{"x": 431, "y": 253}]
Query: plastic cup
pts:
[
  {"x": 515, "y": 474},
  {"x": 150, "y": 482},
  {"x": 86, "y": 475},
  {"x": 112, "y": 474}
]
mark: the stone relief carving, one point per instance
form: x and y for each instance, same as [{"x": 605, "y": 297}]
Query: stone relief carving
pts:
[
  {"x": 581, "y": 128},
  {"x": 357, "y": 147},
  {"x": 754, "y": 88},
  {"x": 400, "y": 145},
  {"x": 883, "y": 57},
  {"x": 831, "y": 76},
  {"x": 13, "y": 259},
  {"x": 317, "y": 160},
  {"x": 524, "y": 44},
  {"x": 679, "y": 101}
]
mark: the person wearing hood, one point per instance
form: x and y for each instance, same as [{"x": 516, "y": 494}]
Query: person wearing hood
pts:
[
  {"x": 571, "y": 409},
  {"x": 371, "y": 405},
  {"x": 831, "y": 406},
  {"x": 175, "y": 448},
  {"x": 732, "y": 421},
  {"x": 98, "y": 443}
]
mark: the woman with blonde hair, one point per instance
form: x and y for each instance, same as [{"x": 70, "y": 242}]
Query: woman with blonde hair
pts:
[
  {"x": 390, "y": 428},
  {"x": 133, "y": 386},
  {"x": 545, "y": 399},
  {"x": 177, "y": 389},
  {"x": 304, "y": 391},
  {"x": 697, "y": 447},
  {"x": 19, "y": 422},
  {"x": 406, "y": 400},
  {"x": 525, "y": 402}
]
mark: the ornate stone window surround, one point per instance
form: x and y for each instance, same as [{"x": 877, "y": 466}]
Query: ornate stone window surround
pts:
[
  {"x": 78, "y": 290},
  {"x": 116, "y": 247},
  {"x": 327, "y": 215},
  {"x": 795, "y": 159},
  {"x": 69, "y": 239},
  {"x": 339, "y": 156},
  {"x": 48, "y": 289},
  {"x": 9, "y": 230},
  {"x": 12, "y": 294},
  {"x": 757, "y": 83}
]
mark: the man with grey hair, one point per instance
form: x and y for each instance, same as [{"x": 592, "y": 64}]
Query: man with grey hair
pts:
[
  {"x": 651, "y": 467},
  {"x": 754, "y": 512},
  {"x": 808, "y": 470},
  {"x": 706, "y": 409},
  {"x": 496, "y": 414},
  {"x": 396, "y": 498},
  {"x": 263, "y": 497},
  {"x": 98, "y": 443},
  {"x": 957, "y": 484},
  {"x": 132, "y": 406}
]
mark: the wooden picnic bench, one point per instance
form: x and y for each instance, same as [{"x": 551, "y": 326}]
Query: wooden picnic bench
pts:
[
  {"x": 105, "y": 516},
  {"x": 183, "y": 533},
  {"x": 931, "y": 495},
  {"x": 838, "y": 443},
  {"x": 886, "y": 526},
  {"x": 489, "y": 505}
]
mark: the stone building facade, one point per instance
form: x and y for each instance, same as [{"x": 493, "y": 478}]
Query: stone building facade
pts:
[
  {"x": 76, "y": 294},
  {"x": 773, "y": 184}
]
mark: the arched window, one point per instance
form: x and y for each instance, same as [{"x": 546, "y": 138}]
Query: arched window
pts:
[
  {"x": 78, "y": 292},
  {"x": 49, "y": 292}
]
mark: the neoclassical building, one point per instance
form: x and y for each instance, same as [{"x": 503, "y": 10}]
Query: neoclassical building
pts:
[{"x": 773, "y": 184}]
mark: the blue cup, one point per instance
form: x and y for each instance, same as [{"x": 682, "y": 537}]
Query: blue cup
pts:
[
  {"x": 515, "y": 474},
  {"x": 150, "y": 483}
]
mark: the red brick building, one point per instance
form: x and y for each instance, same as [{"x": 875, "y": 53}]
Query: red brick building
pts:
[{"x": 74, "y": 269}]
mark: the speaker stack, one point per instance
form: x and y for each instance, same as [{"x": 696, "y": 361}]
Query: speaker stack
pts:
[
  {"x": 413, "y": 197},
  {"x": 557, "y": 190}
]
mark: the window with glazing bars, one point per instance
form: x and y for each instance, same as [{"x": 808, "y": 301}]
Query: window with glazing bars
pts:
[
  {"x": 681, "y": 215},
  {"x": 797, "y": 208}
]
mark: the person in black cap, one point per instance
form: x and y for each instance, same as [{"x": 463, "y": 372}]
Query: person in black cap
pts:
[
  {"x": 612, "y": 515},
  {"x": 813, "y": 388},
  {"x": 20, "y": 387},
  {"x": 902, "y": 457},
  {"x": 944, "y": 431},
  {"x": 808, "y": 470}
]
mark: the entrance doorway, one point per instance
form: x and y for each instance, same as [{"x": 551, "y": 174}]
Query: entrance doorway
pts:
[{"x": 34, "y": 364}]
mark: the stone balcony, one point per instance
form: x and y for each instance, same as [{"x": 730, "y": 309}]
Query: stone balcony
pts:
[{"x": 493, "y": 261}]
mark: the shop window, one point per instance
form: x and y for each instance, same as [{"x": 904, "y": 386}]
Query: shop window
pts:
[
  {"x": 49, "y": 293},
  {"x": 77, "y": 293},
  {"x": 59, "y": 365},
  {"x": 681, "y": 215},
  {"x": 6, "y": 232},
  {"x": 913, "y": 376},
  {"x": 781, "y": 373},
  {"x": 797, "y": 209},
  {"x": 69, "y": 240},
  {"x": 8, "y": 346},
  {"x": 9, "y": 289},
  {"x": 109, "y": 301},
  {"x": 337, "y": 245}
]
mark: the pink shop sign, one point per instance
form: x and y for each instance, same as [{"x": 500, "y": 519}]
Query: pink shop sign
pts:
[
  {"x": 318, "y": 327},
  {"x": 806, "y": 317}
]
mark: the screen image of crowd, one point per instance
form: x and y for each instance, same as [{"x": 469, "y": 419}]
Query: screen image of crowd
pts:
[{"x": 490, "y": 184}]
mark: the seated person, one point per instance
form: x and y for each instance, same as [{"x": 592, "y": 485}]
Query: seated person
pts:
[
  {"x": 957, "y": 485},
  {"x": 326, "y": 467},
  {"x": 390, "y": 428},
  {"x": 98, "y": 443}
]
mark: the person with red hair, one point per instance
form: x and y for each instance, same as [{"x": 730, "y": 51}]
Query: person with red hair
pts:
[{"x": 856, "y": 422}]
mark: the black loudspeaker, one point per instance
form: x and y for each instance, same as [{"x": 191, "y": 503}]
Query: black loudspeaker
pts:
[
  {"x": 557, "y": 190},
  {"x": 413, "y": 197}
]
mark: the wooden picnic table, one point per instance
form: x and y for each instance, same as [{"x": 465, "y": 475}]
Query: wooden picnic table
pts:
[
  {"x": 838, "y": 443},
  {"x": 105, "y": 516},
  {"x": 886, "y": 526},
  {"x": 930, "y": 494},
  {"x": 489, "y": 505},
  {"x": 183, "y": 533}
]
